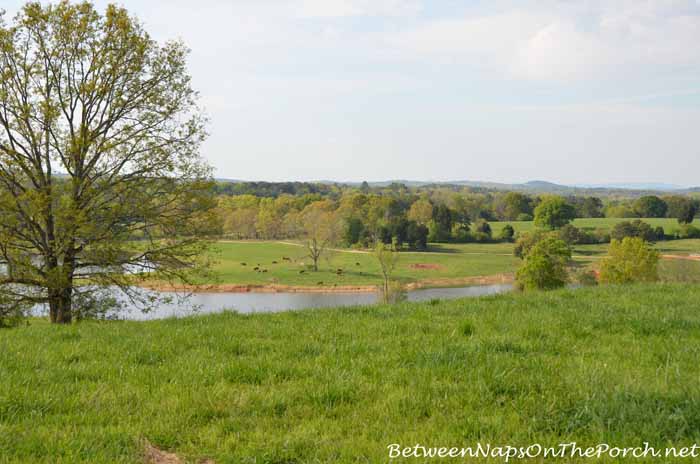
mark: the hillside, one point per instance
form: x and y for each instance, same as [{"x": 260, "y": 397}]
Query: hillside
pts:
[{"x": 599, "y": 365}]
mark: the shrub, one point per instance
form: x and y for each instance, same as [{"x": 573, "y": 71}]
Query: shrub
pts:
[
  {"x": 601, "y": 235},
  {"x": 394, "y": 292},
  {"x": 660, "y": 233},
  {"x": 527, "y": 240},
  {"x": 688, "y": 231},
  {"x": 11, "y": 314},
  {"x": 634, "y": 228},
  {"x": 586, "y": 278},
  {"x": 524, "y": 217},
  {"x": 545, "y": 264},
  {"x": 629, "y": 260},
  {"x": 570, "y": 234},
  {"x": 507, "y": 233},
  {"x": 482, "y": 231}
]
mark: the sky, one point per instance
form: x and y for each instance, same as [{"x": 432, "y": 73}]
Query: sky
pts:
[{"x": 569, "y": 91}]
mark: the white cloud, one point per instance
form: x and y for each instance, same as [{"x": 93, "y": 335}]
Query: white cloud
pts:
[{"x": 565, "y": 41}]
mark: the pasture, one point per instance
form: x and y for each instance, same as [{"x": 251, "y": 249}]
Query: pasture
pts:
[
  {"x": 235, "y": 263},
  {"x": 669, "y": 225},
  {"x": 442, "y": 265},
  {"x": 614, "y": 365}
]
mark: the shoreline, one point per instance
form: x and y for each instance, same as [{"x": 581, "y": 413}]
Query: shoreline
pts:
[{"x": 280, "y": 288}]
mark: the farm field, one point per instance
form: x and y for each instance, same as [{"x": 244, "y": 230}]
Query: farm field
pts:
[
  {"x": 441, "y": 265},
  {"x": 594, "y": 365},
  {"x": 669, "y": 225},
  {"x": 359, "y": 267}
]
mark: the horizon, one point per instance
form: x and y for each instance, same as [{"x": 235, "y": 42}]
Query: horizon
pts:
[{"x": 590, "y": 185}]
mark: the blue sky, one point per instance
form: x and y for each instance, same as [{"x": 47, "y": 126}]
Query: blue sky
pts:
[{"x": 588, "y": 91}]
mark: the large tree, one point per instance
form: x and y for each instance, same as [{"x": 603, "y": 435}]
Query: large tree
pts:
[
  {"x": 650, "y": 206},
  {"x": 554, "y": 212},
  {"x": 100, "y": 175}
]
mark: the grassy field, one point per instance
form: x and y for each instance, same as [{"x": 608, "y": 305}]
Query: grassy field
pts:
[
  {"x": 359, "y": 268},
  {"x": 669, "y": 225},
  {"x": 442, "y": 261},
  {"x": 613, "y": 365}
]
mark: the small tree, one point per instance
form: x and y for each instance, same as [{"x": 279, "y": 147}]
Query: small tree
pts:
[
  {"x": 320, "y": 230},
  {"x": 553, "y": 212},
  {"x": 683, "y": 209},
  {"x": 388, "y": 257},
  {"x": 527, "y": 240},
  {"x": 507, "y": 233},
  {"x": 421, "y": 211},
  {"x": 629, "y": 260},
  {"x": 545, "y": 265}
]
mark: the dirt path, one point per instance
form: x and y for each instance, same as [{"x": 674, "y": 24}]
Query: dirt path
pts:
[
  {"x": 153, "y": 455},
  {"x": 682, "y": 257}
]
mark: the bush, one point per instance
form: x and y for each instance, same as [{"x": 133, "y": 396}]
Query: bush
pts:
[
  {"x": 393, "y": 293},
  {"x": 11, "y": 314},
  {"x": 545, "y": 264},
  {"x": 586, "y": 278},
  {"x": 527, "y": 240},
  {"x": 629, "y": 260},
  {"x": 507, "y": 233},
  {"x": 601, "y": 235},
  {"x": 688, "y": 231},
  {"x": 660, "y": 233},
  {"x": 524, "y": 217},
  {"x": 635, "y": 228},
  {"x": 482, "y": 231},
  {"x": 570, "y": 234}
]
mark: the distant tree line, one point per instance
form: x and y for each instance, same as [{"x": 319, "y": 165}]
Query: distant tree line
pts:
[{"x": 412, "y": 217}]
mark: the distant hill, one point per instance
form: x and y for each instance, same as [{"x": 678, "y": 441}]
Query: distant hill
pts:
[
  {"x": 533, "y": 186},
  {"x": 637, "y": 186}
]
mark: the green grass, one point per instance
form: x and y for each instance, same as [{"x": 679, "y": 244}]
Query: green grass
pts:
[
  {"x": 669, "y": 225},
  {"x": 617, "y": 365},
  {"x": 359, "y": 268},
  {"x": 453, "y": 261}
]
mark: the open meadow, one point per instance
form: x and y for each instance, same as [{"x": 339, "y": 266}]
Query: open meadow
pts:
[
  {"x": 283, "y": 263},
  {"x": 670, "y": 225},
  {"x": 614, "y": 365}
]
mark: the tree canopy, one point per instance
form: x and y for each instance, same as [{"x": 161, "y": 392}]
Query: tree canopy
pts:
[
  {"x": 553, "y": 212},
  {"x": 100, "y": 173}
]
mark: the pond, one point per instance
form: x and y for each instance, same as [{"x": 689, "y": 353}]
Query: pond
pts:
[{"x": 205, "y": 303}]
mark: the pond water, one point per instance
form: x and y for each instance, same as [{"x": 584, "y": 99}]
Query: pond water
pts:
[
  {"x": 204, "y": 303},
  {"x": 246, "y": 303}
]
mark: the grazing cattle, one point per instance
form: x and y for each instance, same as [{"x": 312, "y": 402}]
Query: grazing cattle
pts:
[
  {"x": 243, "y": 264},
  {"x": 319, "y": 283},
  {"x": 256, "y": 268},
  {"x": 274, "y": 262},
  {"x": 357, "y": 264},
  {"x": 264, "y": 270},
  {"x": 302, "y": 271},
  {"x": 286, "y": 258}
]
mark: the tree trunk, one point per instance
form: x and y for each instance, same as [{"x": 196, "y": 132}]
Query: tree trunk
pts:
[{"x": 61, "y": 305}]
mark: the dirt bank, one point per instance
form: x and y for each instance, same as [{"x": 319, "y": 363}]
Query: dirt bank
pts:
[{"x": 277, "y": 288}]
